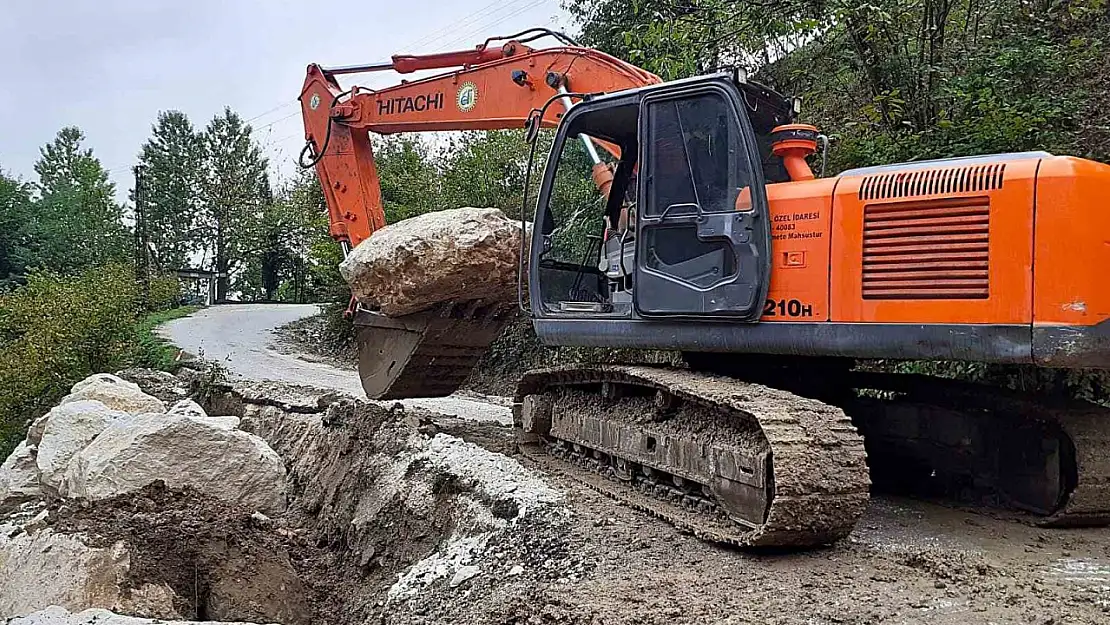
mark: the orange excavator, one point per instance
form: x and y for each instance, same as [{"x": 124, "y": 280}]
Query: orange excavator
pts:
[{"x": 709, "y": 235}]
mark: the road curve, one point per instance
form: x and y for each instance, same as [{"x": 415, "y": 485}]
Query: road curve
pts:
[{"x": 241, "y": 338}]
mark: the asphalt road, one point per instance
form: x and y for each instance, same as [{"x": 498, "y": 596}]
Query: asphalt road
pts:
[{"x": 241, "y": 338}]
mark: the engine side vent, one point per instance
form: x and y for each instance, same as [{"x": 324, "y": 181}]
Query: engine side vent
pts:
[
  {"x": 948, "y": 181},
  {"x": 932, "y": 249}
]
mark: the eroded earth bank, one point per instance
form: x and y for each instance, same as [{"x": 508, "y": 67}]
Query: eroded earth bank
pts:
[{"x": 398, "y": 515}]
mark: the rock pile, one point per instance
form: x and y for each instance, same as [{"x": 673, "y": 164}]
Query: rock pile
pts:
[
  {"x": 451, "y": 255},
  {"x": 108, "y": 437},
  {"x": 105, "y": 439}
]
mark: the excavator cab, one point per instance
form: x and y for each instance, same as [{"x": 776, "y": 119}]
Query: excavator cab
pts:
[{"x": 684, "y": 230}]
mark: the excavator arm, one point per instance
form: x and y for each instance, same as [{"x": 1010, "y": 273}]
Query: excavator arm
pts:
[{"x": 490, "y": 87}]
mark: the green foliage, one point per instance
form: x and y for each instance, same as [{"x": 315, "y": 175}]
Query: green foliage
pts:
[
  {"x": 75, "y": 222},
  {"x": 309, "y": 270},
  {"x": 171, "y": 161},
  {"x": 486, "y": 169},
  {"x": 16, "y": 209},
  {"x": 55, "y": 331},
  {"x": 163, "y": 292},
  {"x": 235, "y": 190},
  {"x": 408, "y": 177}
]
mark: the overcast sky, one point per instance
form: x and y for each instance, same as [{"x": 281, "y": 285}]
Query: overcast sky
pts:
[{"x": 109, "y": 66}]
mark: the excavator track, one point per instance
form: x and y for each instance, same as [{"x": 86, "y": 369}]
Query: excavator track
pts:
[
  {"x": 729, "y": 461},
  {"x": 1047, "y": 457}
]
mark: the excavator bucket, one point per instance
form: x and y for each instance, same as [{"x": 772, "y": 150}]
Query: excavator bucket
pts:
[{"x": 425, "y": 354}]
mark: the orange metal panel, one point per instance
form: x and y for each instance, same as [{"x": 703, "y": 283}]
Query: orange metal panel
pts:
[
  {"x": 951, "y": 244},
  {"x": 800, "y": 217},
  {"x": 1072, "y": 275}
]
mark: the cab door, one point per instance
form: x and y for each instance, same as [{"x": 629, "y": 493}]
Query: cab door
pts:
[{"x": 703, "y": 240}]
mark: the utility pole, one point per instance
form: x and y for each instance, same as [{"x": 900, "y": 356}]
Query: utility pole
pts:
[{"x": 142, "y": 264}]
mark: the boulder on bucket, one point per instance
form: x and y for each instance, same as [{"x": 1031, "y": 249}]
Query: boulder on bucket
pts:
[
  {"x": 203, "y": 452},
  {"x": 116, "y": 393},
  {"x": 460, "y": 254}
]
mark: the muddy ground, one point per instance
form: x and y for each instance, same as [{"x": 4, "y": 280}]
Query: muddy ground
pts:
[
  {"x": 909, "y": 561},
  {"x": 403, "y": 516}
]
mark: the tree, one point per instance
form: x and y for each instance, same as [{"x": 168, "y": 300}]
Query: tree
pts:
[
  {"x": 487, "y": 169},
  {"x": 171, "y": 160},
  {"x": 408, "y": 177},
  {"x": 15, "y": 217},
  {"x": 315, "y": 277},
  {"x": 235, "y": 189},
  {"x": 76, "y": 223}
]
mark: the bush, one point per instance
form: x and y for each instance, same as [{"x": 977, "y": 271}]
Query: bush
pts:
[
  {"x": 164, "y": 293},
  {"x": 55, "y": 331}
]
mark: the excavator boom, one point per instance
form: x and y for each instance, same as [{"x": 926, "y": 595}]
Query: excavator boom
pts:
[
  {"x": 489, "y": 88},
  {"x": 499, "y": 84}
]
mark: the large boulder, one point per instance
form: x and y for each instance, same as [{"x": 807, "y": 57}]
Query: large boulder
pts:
[
  {"x": 202, "y": 452},
  {"x": 161, "y": 384},
  {"x": 19, "y": 477},
  {"x": 68, "y": 428},
  {"x": 42, "y": 568},
  {"x": 116, "y": 393},
  {"x": 460, "y": 254}
]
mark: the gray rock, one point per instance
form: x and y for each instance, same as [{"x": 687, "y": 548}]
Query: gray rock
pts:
[
  {"x": 34, "y": 433},
  {"x": 464, "y": 574},
  {"x": 44, "y": 568},
  {"x": 182, "y": 451},
  {"x": 451, "y": 255},
  {"x": 188, "y": 408},
  {"x": 68, "y": 429},
  {"x": 19, "y": 477},
  {"x": 116, "y": 393},
  {"x": 226, "y": 423},
  {"x": 165, "y": 386}
]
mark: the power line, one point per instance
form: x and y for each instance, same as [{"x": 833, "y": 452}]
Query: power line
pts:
[
  {"x": 430, "y": 37},
  {"x": 276, "y": 121},
  {"x": 488, "y": 26},
  {"x": 276, "y": 108}
]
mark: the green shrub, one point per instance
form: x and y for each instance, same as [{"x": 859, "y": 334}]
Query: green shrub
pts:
[
  {"x": 55, "y": 331},
  {"x": 164, "y": 293}
]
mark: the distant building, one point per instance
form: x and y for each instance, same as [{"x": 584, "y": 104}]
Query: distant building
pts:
[{"x": 198, "y": 286}]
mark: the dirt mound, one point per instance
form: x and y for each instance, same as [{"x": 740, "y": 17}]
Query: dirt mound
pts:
[{"x": 411, "y": 516}]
